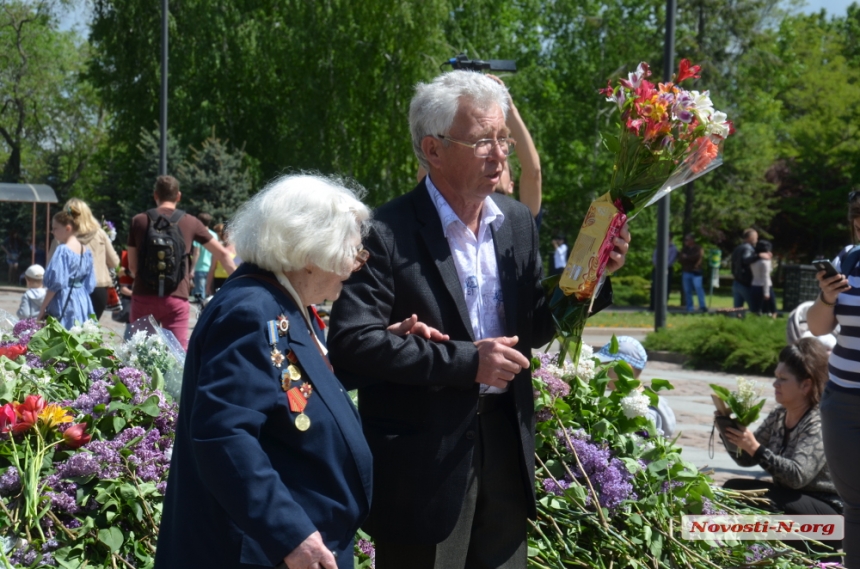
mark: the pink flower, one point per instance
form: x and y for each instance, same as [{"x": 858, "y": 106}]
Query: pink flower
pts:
[{"x": 634, "y": 79}]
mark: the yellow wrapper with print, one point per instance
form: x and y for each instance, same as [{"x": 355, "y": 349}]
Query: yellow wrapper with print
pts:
[{"x": 590, "y": 253}]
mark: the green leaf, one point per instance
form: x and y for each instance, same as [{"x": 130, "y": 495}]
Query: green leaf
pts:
[
  {"x": 117, "y": 423},
  {"x": 613, "y": 345},
  {"x": 150, "y": 406},
  {"x": 119, "y": 391},
  {"x": 112, "y": 537},
  {"x": 658, "y": 467},
  {"x": 661, "y": 384},
  {"x": 721, "y": 392}
]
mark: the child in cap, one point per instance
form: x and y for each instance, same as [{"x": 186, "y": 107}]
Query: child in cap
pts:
[
  {"x": 32, "y": 299},
  {"x": 631, "y": 351}
]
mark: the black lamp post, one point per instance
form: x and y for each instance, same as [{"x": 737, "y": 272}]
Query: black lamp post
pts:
[{"x": 661, "y": 271}]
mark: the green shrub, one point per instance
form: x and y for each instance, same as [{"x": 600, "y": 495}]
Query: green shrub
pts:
[
  {"x": 631, "y": 290},
  {"x": 738, "y": 345}
]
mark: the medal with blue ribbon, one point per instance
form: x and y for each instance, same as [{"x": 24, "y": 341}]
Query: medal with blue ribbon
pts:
[{"x": 272, "y": 331}]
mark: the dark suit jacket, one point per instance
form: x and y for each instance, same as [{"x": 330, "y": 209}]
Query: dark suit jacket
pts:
[
  {"x": 418, "y": 399},
  {"x": 246, "y": 486}
]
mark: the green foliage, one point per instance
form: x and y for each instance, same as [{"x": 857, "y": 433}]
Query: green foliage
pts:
[
  {"x": 739, "y": 345},
  {"x": 631, "y": 291}
]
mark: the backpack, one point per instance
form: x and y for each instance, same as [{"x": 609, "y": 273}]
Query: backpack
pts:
[{"x": 163, "y": 262}]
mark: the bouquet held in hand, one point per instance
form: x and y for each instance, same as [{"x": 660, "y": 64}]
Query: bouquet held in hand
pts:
[{"x": 667, "y": 136}]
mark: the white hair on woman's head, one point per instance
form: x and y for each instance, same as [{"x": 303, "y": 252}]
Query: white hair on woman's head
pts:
[
  {"x": 434, "y": 105},
  {"x": 300, "y": 220}
]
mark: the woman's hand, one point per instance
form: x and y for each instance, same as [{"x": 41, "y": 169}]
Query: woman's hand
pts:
[
  {"x": 311, "y": 554},
  {"x": 744, "y": 439},
  {"x": 412, "y": 326},
  {"x": 831, "y": 287},
  {"x": 619, "y": 254}
]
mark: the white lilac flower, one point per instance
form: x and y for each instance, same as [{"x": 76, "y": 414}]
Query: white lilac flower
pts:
[
  {"x": 586, "y": 352},
  {"x": 748, "y": 392},
  {"x": 90, "y": 327},
  {"x": 585, "y": 370},
  {"x": 634, "y": 405},
  {"x": 76, "y": 330}
]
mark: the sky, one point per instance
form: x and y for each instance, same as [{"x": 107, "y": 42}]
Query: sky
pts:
[{"x": 833, "y": 7}]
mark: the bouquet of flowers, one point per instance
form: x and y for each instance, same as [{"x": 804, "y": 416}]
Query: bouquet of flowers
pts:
[
  {"x": 667, "y": 136},
  {"x": 157, "y": 352},
  {"x": 739, "y": 408}
]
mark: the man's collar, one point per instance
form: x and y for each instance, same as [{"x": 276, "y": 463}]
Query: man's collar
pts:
[{"x": 490, "y": 212}]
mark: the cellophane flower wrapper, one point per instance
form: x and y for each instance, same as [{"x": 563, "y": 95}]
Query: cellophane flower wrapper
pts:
[{"x": 668, "y": 137}]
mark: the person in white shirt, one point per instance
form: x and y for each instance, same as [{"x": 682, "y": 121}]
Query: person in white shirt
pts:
[
  {"x": 559, "y": 255},
  {"x": 31, "y": 300}
]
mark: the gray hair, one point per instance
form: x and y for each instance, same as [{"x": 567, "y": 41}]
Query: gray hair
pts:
[
  {"x": 434, "y": 105},
  {"x": 301, "y": 219}
]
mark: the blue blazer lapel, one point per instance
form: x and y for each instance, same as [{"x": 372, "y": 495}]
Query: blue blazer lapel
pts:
[
  {"x": 328, "y": 389},
  {"x": 437, "y": 245}
]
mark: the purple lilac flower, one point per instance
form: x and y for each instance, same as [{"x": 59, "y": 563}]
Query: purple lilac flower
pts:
[
  {"x": 50, "y": 545},
  {"x": 610, "y": 476},
  {"x": 29, "y": 557},
  {"x": 669, "y": 485},
  {"x": 708, "y": 508},
  {"x": 133, "y": 379},
  {"x": 555, "y": 386},
  {"x": 97, "y": 395},
  {"x": 80, "y": 464},
  {"x": 367, "y": 548},
  {"x": 34, "y": 361},
  {"x": 10, "y": 482},
  {"x": 544, "y": 414},
  {"x": 48, "y": 559},
  {"x": 24, "y": 329},
  {"x": 98, "y": 373},
  {"x": 551, "y": 487},
  {"x": 758, "y": 552}
]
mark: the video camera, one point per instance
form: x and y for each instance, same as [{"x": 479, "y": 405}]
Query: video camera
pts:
[{"x": 463, "y": 62}]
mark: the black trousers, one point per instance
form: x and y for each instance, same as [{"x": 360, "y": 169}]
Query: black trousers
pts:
[
  {"x": 789, "y": 501},
  {"x": 99, "y": 299},
  {"x": 491, "y": 530}
]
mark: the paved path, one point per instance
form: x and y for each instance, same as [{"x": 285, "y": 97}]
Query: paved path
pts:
[{"x": 690, "y": 400}]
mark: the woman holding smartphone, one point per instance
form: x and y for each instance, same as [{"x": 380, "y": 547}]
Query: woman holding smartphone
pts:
[{"x": 839, "y": 303}]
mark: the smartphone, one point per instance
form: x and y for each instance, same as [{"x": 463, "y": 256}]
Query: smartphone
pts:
[{"x": 826, "y": 266}]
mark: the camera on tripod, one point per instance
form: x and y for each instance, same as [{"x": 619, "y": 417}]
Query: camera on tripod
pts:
[{"x": 462, "y": 61}]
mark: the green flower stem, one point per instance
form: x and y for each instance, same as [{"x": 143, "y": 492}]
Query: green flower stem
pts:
[
  {"x": 6, "y": 563},
  {"x": 60, "y": 525}
]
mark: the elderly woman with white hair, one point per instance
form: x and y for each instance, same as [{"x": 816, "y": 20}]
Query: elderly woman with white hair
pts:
[{"x": 270, "y": 467}]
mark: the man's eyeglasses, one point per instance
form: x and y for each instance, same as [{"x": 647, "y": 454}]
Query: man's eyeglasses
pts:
[
  {"x": 853, "y": 195},
  {"x": 361, "y": 258},
  {"x": 484, "y": 147}
]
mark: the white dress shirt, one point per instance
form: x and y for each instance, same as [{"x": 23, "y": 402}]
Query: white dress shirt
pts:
[{"x": 475, "y": 259}]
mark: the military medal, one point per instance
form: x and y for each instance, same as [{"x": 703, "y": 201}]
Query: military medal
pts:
[
  {"x": 276, "y": 356},
  {"x": 303, "y": 422},
  {"x": 291, "y": 357},
  {"x": 298, "y": 399},
  {"x": 283, "y": 325}
]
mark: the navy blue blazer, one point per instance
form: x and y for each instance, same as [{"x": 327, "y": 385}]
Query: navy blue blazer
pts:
[{"x": 246, "y": 487}]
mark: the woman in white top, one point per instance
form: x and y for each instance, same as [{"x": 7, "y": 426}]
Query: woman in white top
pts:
[{"x": 762, "y": 287}]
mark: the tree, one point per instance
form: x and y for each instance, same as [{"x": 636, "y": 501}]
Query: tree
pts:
[{"x": 50, "y": 120}]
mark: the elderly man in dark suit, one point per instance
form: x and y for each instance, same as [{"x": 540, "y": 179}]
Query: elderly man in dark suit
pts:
[{"x": 449, "y": 419}]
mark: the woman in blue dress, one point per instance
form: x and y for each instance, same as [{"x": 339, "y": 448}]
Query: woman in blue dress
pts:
[{"x": 69, "y": 276}]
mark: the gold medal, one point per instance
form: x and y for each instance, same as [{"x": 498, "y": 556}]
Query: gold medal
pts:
[
  {"x": 277, "y": 357},
  {"x": 294, "y": 372},
  {"x": 303, "y": 422}
]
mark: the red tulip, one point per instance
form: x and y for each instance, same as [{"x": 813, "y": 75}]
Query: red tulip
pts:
[
  {"x": 75, "y": 436},
  {"x": 28, "y": 411},
  {"x": 8, "y": 418},
  {"x": 12, "y": 352}
]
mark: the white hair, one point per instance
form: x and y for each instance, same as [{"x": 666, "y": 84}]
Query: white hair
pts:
[
  {"x": 435, "y": 104},
  {"x": 300, "y": 220}
]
